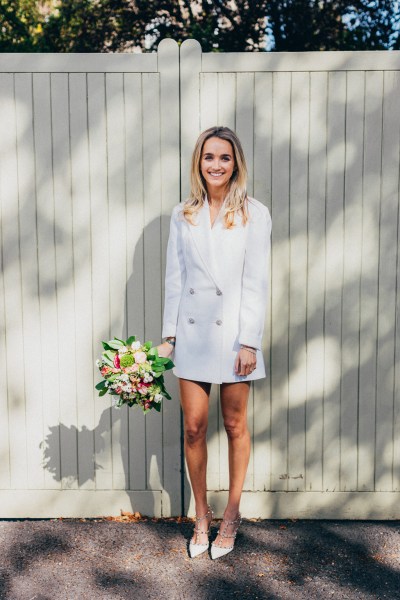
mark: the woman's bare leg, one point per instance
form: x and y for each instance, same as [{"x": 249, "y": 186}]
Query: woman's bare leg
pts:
[
  {"x": 194, "y": 400},
  {"x": 234, "y": 400}
]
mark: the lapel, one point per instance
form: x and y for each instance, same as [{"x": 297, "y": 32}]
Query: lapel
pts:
[{"x": 202, "y": 237}]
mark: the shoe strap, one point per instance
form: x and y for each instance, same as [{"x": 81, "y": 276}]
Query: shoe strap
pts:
[
  {"x": 233, "y": 535},
  {"x": 209, "y": 511},
  {"x": 196, "y": 530}
]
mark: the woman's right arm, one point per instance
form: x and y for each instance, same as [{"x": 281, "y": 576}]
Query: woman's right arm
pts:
[{"x": 175, "y": 276}]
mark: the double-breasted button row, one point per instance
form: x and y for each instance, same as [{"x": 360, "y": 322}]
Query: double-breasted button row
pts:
[
  {"x": 191, "y": 320},
  {"x": 218, "y": 291}
]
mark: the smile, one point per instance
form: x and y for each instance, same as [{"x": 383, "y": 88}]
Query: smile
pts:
[{"x": 216, "y": 174}]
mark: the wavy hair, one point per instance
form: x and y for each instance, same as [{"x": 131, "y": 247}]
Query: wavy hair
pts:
[{"x": 236, "y": 198}]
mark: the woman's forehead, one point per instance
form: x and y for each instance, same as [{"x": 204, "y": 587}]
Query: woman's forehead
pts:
[{"x": 216, "y": 145}]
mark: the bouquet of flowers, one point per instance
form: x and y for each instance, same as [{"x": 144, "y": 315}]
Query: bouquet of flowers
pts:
[{"x": 133, "y": 372}]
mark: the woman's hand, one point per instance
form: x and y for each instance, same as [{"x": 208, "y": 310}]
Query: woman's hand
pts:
[
  {"x": 245, "y": 362},
  {"x": 165, "y": 349}
]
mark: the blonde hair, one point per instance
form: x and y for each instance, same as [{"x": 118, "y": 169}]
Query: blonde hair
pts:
[{"x": 236, "y": 198}]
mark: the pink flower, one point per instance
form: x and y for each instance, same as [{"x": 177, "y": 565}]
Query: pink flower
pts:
[
  {"x": 117, "y": 364},
  {"x": 140, "y": 357},
  {"x": 105, "y": 370}
]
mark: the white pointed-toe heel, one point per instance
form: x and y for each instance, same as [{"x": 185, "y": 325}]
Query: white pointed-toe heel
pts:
[
  {"x": 197, "y": 549},
  {"x": 218, "y": 551}
]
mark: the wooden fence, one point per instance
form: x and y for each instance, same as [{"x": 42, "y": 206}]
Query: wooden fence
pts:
[{"x": 95, "y": 152}]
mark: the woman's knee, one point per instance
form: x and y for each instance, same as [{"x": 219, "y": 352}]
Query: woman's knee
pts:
[
  {"x": 236, "y": 427},
  {"x": 195, "y": 432}
]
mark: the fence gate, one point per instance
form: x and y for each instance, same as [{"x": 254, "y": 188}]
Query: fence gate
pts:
[{"x": 95, "y": 151}]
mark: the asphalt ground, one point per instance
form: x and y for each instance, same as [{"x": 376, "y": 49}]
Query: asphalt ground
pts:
[{"x": 137, "y": 558}]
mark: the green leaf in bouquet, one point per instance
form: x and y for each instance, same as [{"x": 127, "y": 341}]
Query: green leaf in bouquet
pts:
[
  {"x": 118, "y": 340},
  {"x": 115, "y": 344},
  {"x": 110, "y": 355},
  {"x": 169, "y": 364},
  {"x": 130, "y": 340},
  {"x": 106, "y": 346},
  {"x": 101, "y": 385},
  {"x": 108, "y": 361},
  {"x": 164, "y": 360},
  {"x": 147, "y": 346},
  {"x": 157, "y": 406},
  {"x": 103, "y": 392},
  {"x": 157, "y": 370},
  {"x": 152, "y": 352}
]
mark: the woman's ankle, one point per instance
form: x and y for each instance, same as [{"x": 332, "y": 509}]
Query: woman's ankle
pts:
[
  {"x": 201, "y": 509},
  {"x": 231, "y": 512}
]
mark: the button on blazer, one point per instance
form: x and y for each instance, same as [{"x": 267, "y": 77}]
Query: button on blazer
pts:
[{"x": 216, "y": 291}]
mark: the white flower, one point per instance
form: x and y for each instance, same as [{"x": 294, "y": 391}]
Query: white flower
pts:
[
  {"x": 98, "y": 363},
  {"x": 136, "y": 345},
  {"x": 158, "y": 397},
  {"x": 123, "y": 350}
]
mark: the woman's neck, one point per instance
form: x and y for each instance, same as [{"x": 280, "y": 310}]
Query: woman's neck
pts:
[{"x": 216, "y": 197}]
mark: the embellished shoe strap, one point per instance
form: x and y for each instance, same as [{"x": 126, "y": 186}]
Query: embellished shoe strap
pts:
[
  {"x": 196, "y": 530},
  {"x": 233, "y": 535}
]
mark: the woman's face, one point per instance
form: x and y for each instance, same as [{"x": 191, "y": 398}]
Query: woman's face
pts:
[{"x": 217, "y": 162}]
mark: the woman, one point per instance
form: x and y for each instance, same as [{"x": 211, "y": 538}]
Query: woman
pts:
[{"x": 216, "y": 287}]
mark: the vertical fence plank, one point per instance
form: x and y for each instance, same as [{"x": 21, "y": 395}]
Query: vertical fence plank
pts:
[
  {"x": 190, "y": 67},
  {"x": 135, "y": 260},
  {"x": 152, "y": 253},
  {"x": 6, "y": 259},
  {"x": 333, "y": 277},
  {"x": 317, "y": 165},
  {"x": 46, "y": 264},
  {"x": 82, "y": 277},
  {"x": 299, "y": 136},
  {"x": 281, "y": 85},
  {"x": 388, "y": 256},
  {"x": 15, "y": 415},
  {"x": 32, "y": 363},
  {"x": 208, "y": 100},
  {"x": 262, "y": 191},
  {"x": 117, "y": 244},
  {"x": 168, "y": 55},
  {"x": 101, "y": 285},
  {"x": 351, "y": 281},
  {"x": 63, "y": 216},
  {"x": 369, "y": 280}
]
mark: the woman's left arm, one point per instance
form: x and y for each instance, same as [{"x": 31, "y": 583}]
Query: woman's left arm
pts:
[{"x": 255, "y": 279}]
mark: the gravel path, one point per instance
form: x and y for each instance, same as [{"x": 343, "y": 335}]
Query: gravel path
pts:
[{"x": 67, "y": 559}]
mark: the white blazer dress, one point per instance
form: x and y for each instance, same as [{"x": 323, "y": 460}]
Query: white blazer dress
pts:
[{"x": 216, "y": 292}]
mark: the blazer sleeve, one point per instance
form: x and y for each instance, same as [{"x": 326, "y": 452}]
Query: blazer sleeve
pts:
[
  {"x": 255, "y": 278},
  {"x": 175, "y": 276}
]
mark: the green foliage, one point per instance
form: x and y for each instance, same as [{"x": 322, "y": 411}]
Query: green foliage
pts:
[{"x": 220, "y": 26}]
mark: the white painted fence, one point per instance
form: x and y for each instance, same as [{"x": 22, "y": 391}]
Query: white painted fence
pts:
[{"x": 95, "y": 151}]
